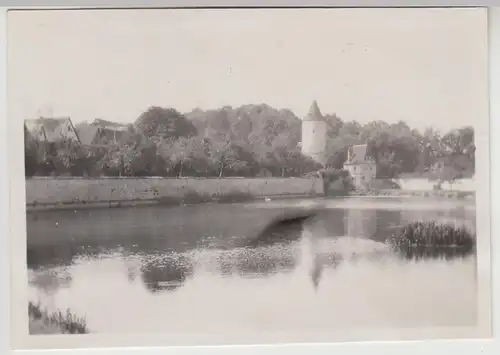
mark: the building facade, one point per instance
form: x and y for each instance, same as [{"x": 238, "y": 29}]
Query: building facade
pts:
[
  {"x": 314, "y": 130},
  {"x": 361, "y": 166}
]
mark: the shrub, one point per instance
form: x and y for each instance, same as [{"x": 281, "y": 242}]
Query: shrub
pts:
[{"x": 336, "y": 181}]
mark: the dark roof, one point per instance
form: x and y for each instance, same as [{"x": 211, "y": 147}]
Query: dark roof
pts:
[
  {"x": 314, "y": 113},
  {"x": 358, "y": 155}
]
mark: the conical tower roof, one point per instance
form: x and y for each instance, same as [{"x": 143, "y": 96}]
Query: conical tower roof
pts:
[{"x": 314, "y": 113}]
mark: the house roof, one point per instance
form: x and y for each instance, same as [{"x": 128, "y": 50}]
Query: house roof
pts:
[
  {"x": 50, "y": 129},
  {"x": 86, "y": 133},
  {"x": 358, "y": 155},
  {"x": 314, "y": 113},
  {"x": 109, "y": 125}
]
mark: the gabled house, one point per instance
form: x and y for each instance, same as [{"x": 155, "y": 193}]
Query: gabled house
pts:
[
  {"x": 361, "y": 166},
  {"x": 101, "y": 132},
  {"x": 51, "y": 129}
]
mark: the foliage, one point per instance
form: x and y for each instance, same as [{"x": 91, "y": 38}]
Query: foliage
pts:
[
  {"x": 336, "y": 181},
  {"x": 251, "y": 140},
  {"x": 165, "y": 123}
]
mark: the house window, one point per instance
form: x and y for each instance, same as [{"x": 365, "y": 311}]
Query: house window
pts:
[{"x": 363, "y": 178}]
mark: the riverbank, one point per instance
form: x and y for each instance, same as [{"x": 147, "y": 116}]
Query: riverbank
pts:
[
  {"x": 83, "y": 193},
  {"x": 47, "y": 193},
  {"x": 39, "y": 207},
  {"x": 461, "y": 195}
]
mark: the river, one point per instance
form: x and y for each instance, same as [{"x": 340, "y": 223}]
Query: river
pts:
[{"x": 157, "y": 269}]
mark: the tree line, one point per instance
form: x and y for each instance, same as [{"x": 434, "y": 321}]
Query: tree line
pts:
[{"x": 249, "y": 141}]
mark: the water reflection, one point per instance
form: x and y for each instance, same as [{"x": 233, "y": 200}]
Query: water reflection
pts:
[
  {"x": 321, "y": 267},
  {"x": 169, "y": 246},
  {"x": 276, "y": 252},
  {"x": 266, "y": 261},
  {"x": 426, "y": 253},
  {"x": 60, "y": 254}
]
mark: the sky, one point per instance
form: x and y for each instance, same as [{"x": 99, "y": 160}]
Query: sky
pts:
[{"x": 427, "y": 67}]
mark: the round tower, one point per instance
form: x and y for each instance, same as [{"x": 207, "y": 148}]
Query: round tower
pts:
[{"x": 314, "y": 134}]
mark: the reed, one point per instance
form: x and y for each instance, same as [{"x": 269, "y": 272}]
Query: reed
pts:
[
  {"x": 433, "y": 234},
  {"x": 68, "y": 323}
]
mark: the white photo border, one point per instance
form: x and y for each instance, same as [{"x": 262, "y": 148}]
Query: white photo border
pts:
[{"x": 10, "y": 158}]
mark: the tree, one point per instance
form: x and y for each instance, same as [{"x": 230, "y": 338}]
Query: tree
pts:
[
  {"x": 250, "y": 140},
  {"x": 447, "y": 171},
  {"x": 429, "y": 149},
  {"x": 182, "y": 153},
  {"x": 459, "y": 142},
  {"x": 164, "y": 123},
  {"x": 283, "y": 152},
  {"x": 139, "y": 159},
  {"x": 334, "y": 124},
  {"x": 226, "y": 156},
  {"x": 31, "y": 154}
]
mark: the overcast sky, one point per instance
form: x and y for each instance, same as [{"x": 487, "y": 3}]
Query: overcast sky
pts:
[{"x": 427, "y": 67}]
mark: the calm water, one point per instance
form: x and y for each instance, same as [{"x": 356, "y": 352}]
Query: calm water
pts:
[{"x": 157, "y": 269}]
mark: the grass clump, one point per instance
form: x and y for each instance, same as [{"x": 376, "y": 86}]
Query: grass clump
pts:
[
  {"x": 67, "y": 323},
  {"x": 435, "y": 235}
]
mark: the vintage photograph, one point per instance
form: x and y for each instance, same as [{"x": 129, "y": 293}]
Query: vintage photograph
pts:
[{"x": 249, "y": 171}]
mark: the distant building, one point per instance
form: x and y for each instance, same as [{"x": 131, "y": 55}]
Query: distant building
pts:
[
  {"x": 51, "y": 129},
  {"x": 361, "y": 166},
  {"x": 314, "y": 131},
  {"x": 101, "y": 132}
]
